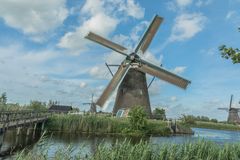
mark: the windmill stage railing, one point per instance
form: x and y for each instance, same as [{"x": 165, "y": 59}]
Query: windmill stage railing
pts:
[{"x": 11, "y": 119}]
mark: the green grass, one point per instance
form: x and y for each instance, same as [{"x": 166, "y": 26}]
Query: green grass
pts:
[
  {"x": 97, "y": 124},
  {"x": 212, "y": 125},
  {"x": 201, "y": 150}
]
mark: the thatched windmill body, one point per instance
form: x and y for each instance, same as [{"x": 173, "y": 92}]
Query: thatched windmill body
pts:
[
  {"x": 233, "y": 116},
  {"x": 130, "y": 78}
]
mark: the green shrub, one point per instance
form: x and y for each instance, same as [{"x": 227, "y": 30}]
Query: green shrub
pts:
[
  {"x": 137, "y": 118},
  {"x": 188, "y": 119}
]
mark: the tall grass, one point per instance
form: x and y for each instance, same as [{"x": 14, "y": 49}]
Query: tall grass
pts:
[
  {"x": 97, "y": 124},
  {"x": 201, "y": 150}
]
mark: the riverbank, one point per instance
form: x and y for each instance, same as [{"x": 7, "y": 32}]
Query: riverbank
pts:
[
  {"x": 218, "y": 126},
  {"x": 142, "y": 150},
  {"x": 100, "y": 125}
]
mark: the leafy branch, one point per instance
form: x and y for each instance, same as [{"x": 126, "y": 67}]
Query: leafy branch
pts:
[{"x": 230, "y": 53}]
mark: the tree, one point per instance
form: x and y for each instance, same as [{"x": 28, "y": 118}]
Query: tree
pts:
[
  {"x": 188, "y": 119},
  {"x": 229, "y": 52},
  {"x": 37, "y": 106},
  {"x": 3, "y": 98},
  {"x": 159, "y": 113},
  {"x": 138, "y": 118}
]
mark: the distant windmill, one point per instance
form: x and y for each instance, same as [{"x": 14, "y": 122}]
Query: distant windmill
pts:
[
  {"x": 92, "y": 105},
  {"x": 130, "y": 78},
  {"x": 233, "y": 116}
]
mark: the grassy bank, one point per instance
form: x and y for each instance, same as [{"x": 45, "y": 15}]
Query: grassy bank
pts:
[
  {"x": 212, "y": 125},
  {"x": 97, "y": 124},
  {"x": 142, "y": 151}
]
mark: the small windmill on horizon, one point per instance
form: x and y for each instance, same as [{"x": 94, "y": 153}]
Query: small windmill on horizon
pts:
[
  {"x": 233, "y": 116},
  {"x": 93, "y": 108}
]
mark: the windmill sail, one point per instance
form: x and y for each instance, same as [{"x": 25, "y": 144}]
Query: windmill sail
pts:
[
  {"x": 149, "y": 34},
  {"x": 230, "y": 105},
  {"x": 100, "y": 40},
  {"x": 164, "y": 75},
  {"x": 114, "y": 83}
]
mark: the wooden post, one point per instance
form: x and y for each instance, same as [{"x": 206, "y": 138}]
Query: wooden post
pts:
[
  {"x": 18, "y": 130},
  {"x": 34, "y": 130},
  {"x": 1, "y": 140},
  {"x": 28, "y": 131},
  {"x": 43, "y": 124}
]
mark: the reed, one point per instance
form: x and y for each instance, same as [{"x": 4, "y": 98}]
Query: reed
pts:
[
  {"x": 145, "y": 151},
  {"x": 98, "y": 124}
]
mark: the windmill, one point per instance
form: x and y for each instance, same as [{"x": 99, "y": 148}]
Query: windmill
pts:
[
  {"x": 233, "y": 116},
  {"x": 92, "y": 105},
  {"x": 130, "y": 78}
]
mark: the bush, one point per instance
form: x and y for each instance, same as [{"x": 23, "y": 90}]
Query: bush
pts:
[
  {"x": 138, "y": 118},
  {"x": 159, "y": 113},
  {"x": 188, "y": 119}
]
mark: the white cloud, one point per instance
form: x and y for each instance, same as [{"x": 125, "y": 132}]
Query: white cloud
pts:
[
  {"x": 183, "y": 3},
  {"x": 173, "y": 98},
  {"x": 155, "y": 87},
  {"x": 201, "y": 3},
  {"x": 230, "y": 14},
  {"x": 152, "y": 59},
  {"x": 210, "y": 51},
  {"x": 34, "y": 18},
  {"x": 101, "y": 17},
  {"x": 179, "y": 69},
  {"x": 233, "y": 17},
  {"x": 74, "y": 41},
  {"x": 132, "y": 39},
  {"x": 100, "y": 72},
  {"x": 40, "y": 75},
  {"x": 187, "y": 26},
  {"x": 83, "y": 85},
  {"x": 177, "y": 5},
  {"x": 133, "y": 9}
]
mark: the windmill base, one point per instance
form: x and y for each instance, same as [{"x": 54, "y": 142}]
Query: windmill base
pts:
[
  {"x": 133, "y": 91},
  {"x": 233, "y": 116}
]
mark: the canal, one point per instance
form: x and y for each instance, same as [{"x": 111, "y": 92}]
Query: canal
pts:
[{"x": 87, "y": 144}]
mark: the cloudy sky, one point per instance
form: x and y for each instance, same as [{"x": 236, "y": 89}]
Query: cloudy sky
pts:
[{"x": 44, "y": 56}]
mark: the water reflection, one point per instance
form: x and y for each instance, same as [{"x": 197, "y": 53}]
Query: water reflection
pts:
[{"x": 12, "y": 142}]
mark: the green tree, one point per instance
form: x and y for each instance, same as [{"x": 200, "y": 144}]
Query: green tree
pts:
[
  {"x": 188, "y": 119},
  {"x": 159, "y": 113},
  {"x": 3, "y": 98},
  {"x": 230, "y": 53},
  {"x": 37, "y": 106},
  {"x": 138, "y": 118}
]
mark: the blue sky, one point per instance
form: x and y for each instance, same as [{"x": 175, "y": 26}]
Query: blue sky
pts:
[{"x": 43, "y": 54}]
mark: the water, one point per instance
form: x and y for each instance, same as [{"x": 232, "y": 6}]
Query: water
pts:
[
  {"x": 218, "y": 136},
  {"x": 87, "y": 144}
]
